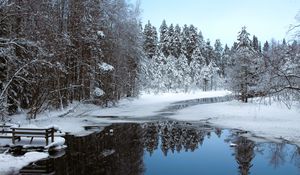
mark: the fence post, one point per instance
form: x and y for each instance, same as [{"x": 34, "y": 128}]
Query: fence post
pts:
[
  {"x": 52, "y": 134},
  {"x": 47, "y": 137},
  {"x": 13, "y": 135}
]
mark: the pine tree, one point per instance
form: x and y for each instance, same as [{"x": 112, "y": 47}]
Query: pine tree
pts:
[
  {"x": 171, "y": 37},
  {"x": 175, "y": 45},
  {"x": 266, "y": 47},
  {"x": 150, "y": 40},
  {"x": 192, "y": 42},
  {"x": 244, "y": 72},
  {"x": 185, "y": 40},
  {"x": 256, "y": 44},
  {"x": 226, "y": 61},
  {"x": 164, "y": 38},
  {"x": 218, "y": 50},
  {"x": 198, "y": 61},
  {"x": 208, "y": 53},
  {"x": 183, "y": 73}
]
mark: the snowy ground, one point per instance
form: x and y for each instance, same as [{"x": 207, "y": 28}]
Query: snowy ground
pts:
[
  {"x": 126, "y": 110},
  {"x": 11, "y": 165},
  {"x": 149, "y": 104}
]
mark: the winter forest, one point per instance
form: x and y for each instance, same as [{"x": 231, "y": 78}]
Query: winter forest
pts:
[{"x": 56, "y": 52}]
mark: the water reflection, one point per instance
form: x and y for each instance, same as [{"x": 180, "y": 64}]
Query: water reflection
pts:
[
  {"x": 134, "y": 149},
  {"x": 296, "y": 157},
  {"x": 278, "y": 154},
  {"x": 244, "y": 153},
  {"x": 174, "y": 136}
]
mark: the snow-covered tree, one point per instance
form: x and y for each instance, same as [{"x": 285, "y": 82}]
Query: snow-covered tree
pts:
[
  {"x": 207, "y": 74},
  {"x": 175, "y": 44},
  {"x": 255, "y": 44},
  {"x": 192, "y": 42},
  {"x": 196, "y": 65},
  {"x": 164, "y": 38},
  {"x": 244, "y": 73},
  {"x": 283, "y": 71},
  {"x": 218, "y": 50},
  {"x": 183, "y": 73},
  {"x": 150, "y": 40},
  {"x": 226, "y": 61},
  {"x": 53, "y": 66}
]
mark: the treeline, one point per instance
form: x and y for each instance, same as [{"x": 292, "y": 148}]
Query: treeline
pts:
[
  {"x": 178, "y": 58},
  {"x": 54, "y": 52}
]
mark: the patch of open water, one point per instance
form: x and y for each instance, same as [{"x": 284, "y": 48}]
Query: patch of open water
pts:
[{"x": 169, "y": 148}]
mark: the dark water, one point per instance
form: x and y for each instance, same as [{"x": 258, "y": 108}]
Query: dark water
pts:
[{"x": 170, "y": 148}]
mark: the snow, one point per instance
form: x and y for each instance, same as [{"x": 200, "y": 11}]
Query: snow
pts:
[
  {"x": 232, "y": 145},
  {"x": 273, "y": 120},
  {"x": 100, "y": 34},
  {"x": 98, "y": 92},
  {"x": 150, "y": 104},
  {"x": 90, "y": 115},
  {"x": 106, "y": 67},
  {"x": 108, "y": 152},
  {"x": 58, "y": 142},
  {"x": 11, "y": 165},
  {"x": 37, "y": 142}
]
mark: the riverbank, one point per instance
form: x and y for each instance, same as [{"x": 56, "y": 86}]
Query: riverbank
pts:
[
  {"x": 74, "y": 118},
  {"x": 263, "y": 119}
]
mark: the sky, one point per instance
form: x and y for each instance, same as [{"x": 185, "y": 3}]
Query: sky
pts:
[{"x": 223, "y": 19}]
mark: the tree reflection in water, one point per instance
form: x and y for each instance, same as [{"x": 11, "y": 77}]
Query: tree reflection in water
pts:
[
  {"x": 175, "y": 136},
  {"x": 244, "y": 154},
  {"x": 116, "y": 150},
  {"x": 119, "y": 149},
  {"x": 278, "y": 154},
  {"x": 296, "y": 157}
]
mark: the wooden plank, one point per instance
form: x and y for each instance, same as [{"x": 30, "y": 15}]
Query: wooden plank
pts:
[
  {"x": 38, "y": 171},
  {"x": 5, "y": 137},
  {"x": 32, "y": 129},
  {"x": 5, "y": 132},
  {"x": 13, "y": 136},
  {"x": 5, "y": 126},
  {"x": 30, "y": 133}
]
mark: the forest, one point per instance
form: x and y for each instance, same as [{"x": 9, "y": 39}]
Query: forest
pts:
[
  {"x": 183, "y": 60},
  {"x": 56, "y": 52}
]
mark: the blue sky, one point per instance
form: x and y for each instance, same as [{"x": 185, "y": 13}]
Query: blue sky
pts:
[{"x": 223, "y": 19}]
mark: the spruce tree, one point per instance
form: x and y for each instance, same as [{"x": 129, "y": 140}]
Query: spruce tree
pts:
[
  {"x": 150, "y": 40},
  {"x": 243, "y": 76},
  {"x": 164, "y": 38},
  {"x": 192, "y": 42},
  {"x": 218, "y": 50},
  {"x": 175, "y": 45}
]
